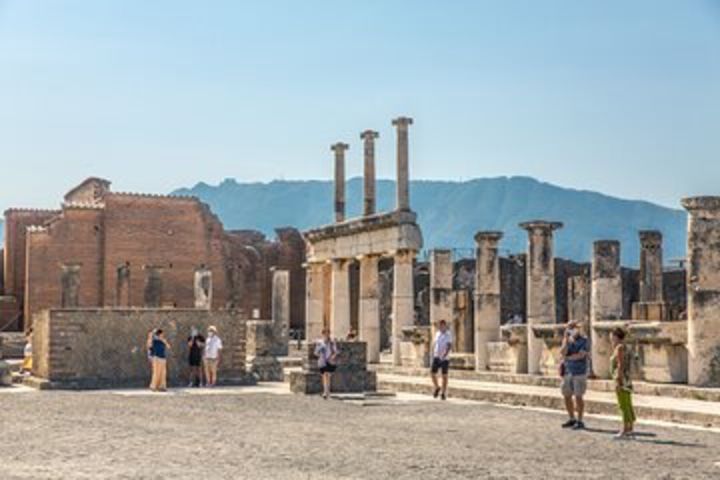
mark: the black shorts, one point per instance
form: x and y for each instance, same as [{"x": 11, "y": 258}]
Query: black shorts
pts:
[
  {"x": 438, "y": 364},
  {"x": 329, "y": 368},
  {"x": 195, "y": 361}
]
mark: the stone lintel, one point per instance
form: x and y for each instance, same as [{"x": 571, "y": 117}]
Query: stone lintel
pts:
[{"x": 543, "y": 225}]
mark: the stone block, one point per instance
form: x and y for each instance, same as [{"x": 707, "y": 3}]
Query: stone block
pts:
[
  {"x": 351, "y": 375},
  {"x": 265, "y": 368},
  {"x": 650, "y": 311},
  {"x": 5, "y": 374}
]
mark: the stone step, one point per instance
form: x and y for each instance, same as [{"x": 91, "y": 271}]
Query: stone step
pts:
[
  {"x": 13, "y": 344},
  {"x": 288, "y": 362},
  {"x": 641, "y": 388},
  {"x": 680, "y": 410}
]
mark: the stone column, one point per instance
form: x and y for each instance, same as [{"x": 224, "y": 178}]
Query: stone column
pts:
[
  {"x": 441, "y": 289},
  {"x": 651, "y": 266},
  {"x": 487, "y": 295},
  {"x": 370, "y": 306},
  {"x": 605, "y": 301},
  {"x": 339, "y": 149},
  {"x": 540, "y": 274},
  {"x": 403, "y": 173},
  {"x": 403, "y": 300},
  {"x": 314, "y": 300},
  {"x": 369, "y": 199},
  {"x": 280, "y": 312},
  {"x": 703, "y": 280},
  {"x": 340, "y": 299},
  {"x": 202, "y": 286}
]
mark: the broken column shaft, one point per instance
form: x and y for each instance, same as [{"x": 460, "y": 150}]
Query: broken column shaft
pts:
[
  {"x": 339, "y": 149},
  {"x": 403, "y": 173},
  {"x": 605, "y": 300},
  {"x": 487, "y": 295},
  {"x": 369, "y": 197}
]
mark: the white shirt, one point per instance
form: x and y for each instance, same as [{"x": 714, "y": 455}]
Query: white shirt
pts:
[
  {"x": 442, "y": 344},
  {"x": 213, "y": 345},
  {"x": 324, "y": 350}
]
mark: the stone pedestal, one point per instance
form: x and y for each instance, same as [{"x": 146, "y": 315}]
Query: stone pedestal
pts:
[
  {"x": 487, "y": 295},
  {"x": 606, "y": 301},
  {"x": 340, "y": 296},
  {"x": 551, "y": 336},
  {"x": 369, "y": 308},
  {"x": 280, "y": 312},
  {"x": 5, "y": 374},
  {"x": 509, "y": 355},
  {"x": 314, "y": 300},
  {"x": 351, "y": 376},
  {"x": 415, "y": 347},
  {"x": 441, "y": 294},
  {"x": 403, "y": 300},
  {"x": 260, "y": 361},
  {"x": 703, "y": 280},
  {"x": 540, "y": 285}
]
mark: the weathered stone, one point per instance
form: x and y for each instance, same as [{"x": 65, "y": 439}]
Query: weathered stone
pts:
[
  {"x": 340, "y": 295},
  {"x": 202, "y": 287},
  {"x": 314, "y": 301},
  {"x": 70, "y": 280},
  {"x": 403, "y": 300},
  {"x": 415, "y": 346},
  {"x": 369, "y": 308},
  {"x": 510, "y": 354},
  {"x": 403, "y": 173},
  {"x": 5, "y": 374},
  {"x": 280, "y": 312},
  {"x": 606, "y": 301},
  {"x": 153, "y": 291},
  {"x": 339, "y": 149},
  {"x": 260, "y": 360},
  {"x": 369, "y": 200},
  {"x": 487, "y": 295},
  {"x": 351, "y": 375},
  {"x": 441, "y": 292},
  {"x": 540, "y": 285},
  {"x": 703, "y": 280}
]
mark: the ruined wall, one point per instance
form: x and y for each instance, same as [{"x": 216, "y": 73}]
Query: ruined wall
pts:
[
  {"x": 92, "y": 348},
  {"x": 630, "y": 289},
  {"x": 675, "y": 293},
  {"x": 513, "y": 288},
  {"x": 564, "y": 269}
]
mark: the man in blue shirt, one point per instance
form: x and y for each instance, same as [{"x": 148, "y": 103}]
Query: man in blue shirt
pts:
[{"x": 574, "y": 351}]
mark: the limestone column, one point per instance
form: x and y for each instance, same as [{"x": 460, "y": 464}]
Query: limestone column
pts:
[
  {"x": 487, "y": 295},
  {"x": 703, "y": 280},
  {"x": 369, "y": 198},
  {"x": 441, "y": 289},
  {"x": 605, "y": 300},
  {"x": 280, "y": 312},
  {"x": 540, "y": 279},
  {"x": 339, "y": 149},
  {"x": 651, "y": 266},
  {"x": 314, "y": 300},
  {"x": 370, "y": 306},
  {"x": 403, "y": 300},
  {"x": 202, "y": 285},
  {"x": 403, "y": 173},
  {"x": 340, "y": 299}
]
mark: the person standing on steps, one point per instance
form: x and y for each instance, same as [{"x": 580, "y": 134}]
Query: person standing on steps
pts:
[
  {"x": 442, "y": 344},
  {"x": 574, "y": 368},
  {"x": 326, "y": 351}
]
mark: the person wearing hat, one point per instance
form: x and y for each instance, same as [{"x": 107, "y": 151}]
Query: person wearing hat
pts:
[
  {"x": 211, "y": 356},
  {"x": 573, "y": 369}
]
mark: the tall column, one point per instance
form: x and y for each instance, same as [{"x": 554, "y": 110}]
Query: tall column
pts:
[
  {"x": 280, "y": 311},
  {"x": 605, "y": 300},
  {"x": 340, "y": 298},
  {"x": 441, "y": 299},
  {"x": 314, "y": 300},
  {"x": 369, "y": 199},
  {"x": 339, "y": 149},
  {"x": 403, "y": 300},
  {"x": 487, "y": 295},
  {"x": 703, "y": 280},
  {"x": 651, "y": 266},
  {"x": 540, "y": 274},
  {"x": 403, "y": 173},
  {"x": 370, "y": 306}
]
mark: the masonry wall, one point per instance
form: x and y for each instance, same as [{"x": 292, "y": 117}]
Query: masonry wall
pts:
[{"x": 98, "y": 348}]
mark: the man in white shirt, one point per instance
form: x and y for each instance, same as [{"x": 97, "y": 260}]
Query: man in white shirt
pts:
[
  {"x": 442, "y": 344},
  {"x": 211, "y": 356}
]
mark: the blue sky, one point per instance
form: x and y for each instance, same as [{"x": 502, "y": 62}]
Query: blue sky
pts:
[{"x": 617, "y": 96}]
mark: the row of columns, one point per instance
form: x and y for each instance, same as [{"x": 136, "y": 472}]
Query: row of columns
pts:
[{"x": 368, "y": 137}]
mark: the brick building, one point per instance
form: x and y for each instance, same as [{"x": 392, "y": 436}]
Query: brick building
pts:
[{"x": 109, "y": 249}]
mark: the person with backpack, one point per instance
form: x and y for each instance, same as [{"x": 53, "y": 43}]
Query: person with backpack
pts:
[
  {"x": 620, "y": 367},
  {"x": 573, "y": 370},
  {"x": 326, "y": 353}
]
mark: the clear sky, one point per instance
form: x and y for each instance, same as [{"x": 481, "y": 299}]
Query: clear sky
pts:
[{"x": 617, "y": 96}]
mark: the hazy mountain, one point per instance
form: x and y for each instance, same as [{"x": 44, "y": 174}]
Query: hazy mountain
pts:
[{"x": 451, "y": 212}]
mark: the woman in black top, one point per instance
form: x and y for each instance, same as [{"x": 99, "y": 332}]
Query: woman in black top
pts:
[{"x": 196, "y": 343}]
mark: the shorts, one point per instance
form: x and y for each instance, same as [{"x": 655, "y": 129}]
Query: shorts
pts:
[
  {"x": 573, "y": 385},
  {"x": 439, "y": 364},
  {"x": 195, "y": 361},
  {"x": 211, "y": 365},
  {"x": 329, "y": 368}
]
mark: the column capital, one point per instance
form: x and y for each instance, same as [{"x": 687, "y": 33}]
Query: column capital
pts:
[
  {"x": 402, "y": 122},
  {"x": 339, "y": 147},
  {"x": 650, "y": 238},
  {"x": 369, "y": 135},
  {"x": 487, "y": 236},
  {"x": 543, "y": 225},
  {"x": 705, "y": 206}
]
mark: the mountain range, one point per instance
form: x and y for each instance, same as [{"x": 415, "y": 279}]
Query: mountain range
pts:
[{"x": 450, "y": 212}]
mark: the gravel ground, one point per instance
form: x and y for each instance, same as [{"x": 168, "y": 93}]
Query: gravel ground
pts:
[{"x": 227, "y": 434}]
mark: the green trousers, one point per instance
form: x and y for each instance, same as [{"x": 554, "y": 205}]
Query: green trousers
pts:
[{"x": 624, "y": 398}]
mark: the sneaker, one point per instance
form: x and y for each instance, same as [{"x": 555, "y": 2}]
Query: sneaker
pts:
[
  {"x": 622, "y": 436},
  {"x": 444, "y": 396},
  {"x": 579, "y": 425},
  {"x": 570, "y": 423},
  {"x": 436, "y": 393}
]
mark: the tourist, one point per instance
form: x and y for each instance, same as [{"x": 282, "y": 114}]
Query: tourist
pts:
[
  {"x": 442, "y": 344},
  {"x": 27, "y": 362},
  {"x": 213, "y": 347},
  {"x": 573, "y": 370},
  {"x": 196, "y": 344},
  {"x": 620, "y": 363},
  {"x": 326, "y": 351},
  {"x": 160, "y": 347}
]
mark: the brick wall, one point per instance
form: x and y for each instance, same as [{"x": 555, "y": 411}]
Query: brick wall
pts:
[{"x": 93, "y": 348}]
